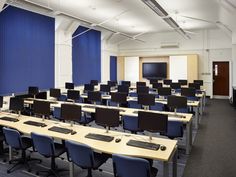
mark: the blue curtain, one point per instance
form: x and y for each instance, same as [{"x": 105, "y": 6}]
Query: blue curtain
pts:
[
  {"x": 113, "y": 68},
  {"x": 26, "y": 50},
  {"x": 86, "y": 56}
]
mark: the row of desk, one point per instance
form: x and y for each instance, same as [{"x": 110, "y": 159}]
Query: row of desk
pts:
[
  {"x": 188, "y": 118},
  {"x": 99, "y": 146}
]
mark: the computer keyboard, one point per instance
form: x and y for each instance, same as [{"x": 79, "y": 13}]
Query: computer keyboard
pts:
[
  {"x": 144, "y": 145},
  {"x": 89, "y": 106},
  {"x": 10, "y": 119},
  {"x": 37, "y": 124},
  {"x": 60, "y": 130},
  {"x": 99, "y": 137}
]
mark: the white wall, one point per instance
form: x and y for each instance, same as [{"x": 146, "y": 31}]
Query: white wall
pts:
[
  {"x": 178, "y": 68},
  {"x": 210, "y": 45},
  {"x": 132, "y": 69}
]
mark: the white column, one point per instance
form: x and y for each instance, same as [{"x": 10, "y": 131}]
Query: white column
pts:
[{"x": 65, "y": 28}]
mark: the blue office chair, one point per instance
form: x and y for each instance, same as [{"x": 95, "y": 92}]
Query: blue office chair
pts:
[
  {"x": 182, "y": 110},
  {"x": 157, "y": 107},
  {"x": 62, "y": 98},
  {"x": 174, "y": 130},
  {"x": 16, "y": 141},
  {"x": 134, "y": 104},
  {"x": 46, "y": 147},
  {"x": 86, "y": 119},
  {"x": 130, "y": 123},
  {"x": 124, "y": 166},
  {"x": 83, "y": 156}
]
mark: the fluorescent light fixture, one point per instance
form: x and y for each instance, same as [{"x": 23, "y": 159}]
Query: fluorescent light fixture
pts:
[
  {"x": 156, "y": 7},
  {"x": 165, "y": 16}
]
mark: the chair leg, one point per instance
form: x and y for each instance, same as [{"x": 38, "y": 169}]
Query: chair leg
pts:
[{"x": 89, "y": 172}]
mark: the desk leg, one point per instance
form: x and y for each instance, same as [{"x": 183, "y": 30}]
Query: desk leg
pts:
[
  {"x": 201, "y": 106},
  {"x": 165, "y": 169},
  {"x": 10, "y": 153},
  {"x": 174, "y": 172},
  {"x": 197, "y": 117},
  {"x": 71, "y": 166},
  {"x": 188, "y": 137},
  {"x": 204, "y": 99}
]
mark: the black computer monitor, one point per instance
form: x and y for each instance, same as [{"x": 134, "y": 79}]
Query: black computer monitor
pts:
[
  {"x": 153, "y": 81},
  {"x": 188, "y": 92},
  {"x": 105, "y": 88},
  {"x": 156, "y": 85},
  {"x": 16, "y": 104},
  {"x": 146, "y": 99},
  {"x": 69, "y": 85},
  {"x": 142, "y": 89},
  {"x": 41, "y": 108},
  {"x": 112, "y": 83},
  {"x": 41, "y": 95},
  {"x": 194, "y": 85},
  {"x": 119, "y": 97},
  {"x": 175, "y": 102},
  {"x": 1, "y": 101},
  {"x": 152, "y": 122},
  {"x": 94, "y": 82},
  {"x": 183, "y": 82},
  {"x": 88, "y": 87},
  {"x": 128, "y": 83},
  {"x": 56, "y": 93},
  {"x": 164, "y": 91},
  {"x": 71, "y": 112},
  {"x": 198, "y": 82},
  {"x": 138, "y": 84},
  {"x": 107, "y": 117},
  {"x": 73, "y": 94},
  {"x": 175, "y": 85},
  {"x": 94, "y": 96},
  {"x": 123, "y": 88},
  {"x": 32, "y": 90},
  {"x": 167, "y": 81}
]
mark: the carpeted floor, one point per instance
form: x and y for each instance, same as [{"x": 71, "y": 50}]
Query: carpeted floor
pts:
[{"x": 214, "y": 150}]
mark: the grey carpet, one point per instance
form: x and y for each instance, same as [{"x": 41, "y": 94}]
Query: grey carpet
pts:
[{"x": 214, "y": 150}]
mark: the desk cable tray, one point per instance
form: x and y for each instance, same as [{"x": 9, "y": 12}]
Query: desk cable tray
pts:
[
  {"x": 10, "y": 119},
  {"x": 144, "y": 145},
  {"x": 36, "y": 124},
  {"x": 99, "y": 137},
  {"x": 60, "y": 130}
]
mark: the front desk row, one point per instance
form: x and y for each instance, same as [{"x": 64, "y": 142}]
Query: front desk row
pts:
[{"x": 82, "y": 154}]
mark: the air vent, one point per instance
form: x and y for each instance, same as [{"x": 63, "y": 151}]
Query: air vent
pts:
[{"x": 169, "y": 45}]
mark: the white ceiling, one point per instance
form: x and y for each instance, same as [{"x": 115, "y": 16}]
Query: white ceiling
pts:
[{"x": 133, "y": 16}]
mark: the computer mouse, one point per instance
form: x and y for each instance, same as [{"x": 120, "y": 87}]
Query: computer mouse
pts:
[
  {"x": 163, "y": 147},
  {"x": 73, "y": 132},
  {"x": 117, "y": 140}
]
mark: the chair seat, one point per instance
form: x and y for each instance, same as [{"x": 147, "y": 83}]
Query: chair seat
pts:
[
  {"x": 99, "y": 159},
  {"x": 59, "y": 149},
  {"x": 26, "y": 142}
]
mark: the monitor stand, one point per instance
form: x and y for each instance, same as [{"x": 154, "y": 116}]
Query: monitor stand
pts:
[
  {"x": 43, "y": 118},
  {"x": 150, "y": 136},
  {"x": 107, "y": 129},
  {"x": 19, "y": 114},
  {"x": 145, "y": 107},
  {"x": 71, "y": 123}
]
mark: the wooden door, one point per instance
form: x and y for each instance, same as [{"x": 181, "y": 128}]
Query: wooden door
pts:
[{"x": 221, "y": 78}]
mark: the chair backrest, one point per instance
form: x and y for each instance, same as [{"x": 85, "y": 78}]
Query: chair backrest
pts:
[
  {"x": 13, "y": 138},
  {"x": 80, "y": 154},
  {"x": 43, "y": 144},
  {"x": 130, "y": 167},
  {"x": 175, "y": 129}
]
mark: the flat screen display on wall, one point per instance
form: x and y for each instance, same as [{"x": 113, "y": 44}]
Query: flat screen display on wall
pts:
[{"x": 155, "y": 70}]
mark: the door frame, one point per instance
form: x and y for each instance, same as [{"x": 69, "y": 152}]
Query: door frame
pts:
[{"x": 230, "y": 76}]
